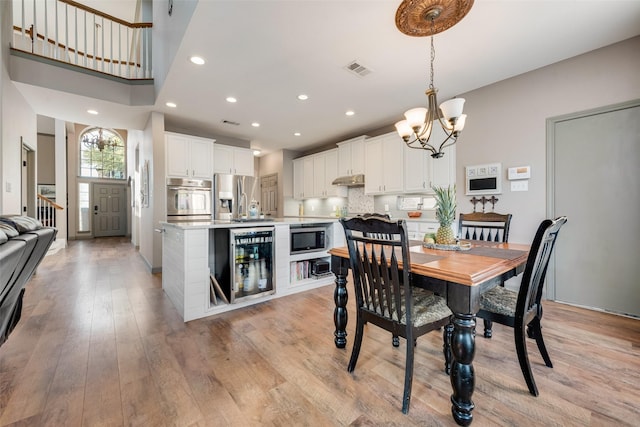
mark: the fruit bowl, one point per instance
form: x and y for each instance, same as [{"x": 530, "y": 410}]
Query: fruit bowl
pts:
[{"x": 414, "y": 214}]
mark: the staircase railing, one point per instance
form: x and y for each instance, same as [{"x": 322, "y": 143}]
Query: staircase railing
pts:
[
  {"x": 46, "y": 211},
  {"x": 70, "y": 32}
]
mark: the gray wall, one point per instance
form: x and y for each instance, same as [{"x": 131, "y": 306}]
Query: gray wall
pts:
[
  {"x": 46, "y": 169},
  {"x": 507, "y": 122}
]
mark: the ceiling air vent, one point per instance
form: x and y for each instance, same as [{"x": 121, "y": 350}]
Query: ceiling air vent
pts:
[
  {"x": 358, "y": 69},
  {"x": 229, "y": 122}
]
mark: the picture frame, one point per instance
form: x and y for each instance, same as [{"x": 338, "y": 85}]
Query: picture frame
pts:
[{"x": 48, "y": 191}]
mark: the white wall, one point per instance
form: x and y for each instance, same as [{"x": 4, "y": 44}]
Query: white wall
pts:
[
  {"x": 152, "y": 150},
  {"x": 18, "y": 124},
  {"x": 507, "y": 122}
]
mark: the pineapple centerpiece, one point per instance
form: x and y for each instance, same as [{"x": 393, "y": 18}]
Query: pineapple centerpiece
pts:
[{"x": 445, "y": 214}]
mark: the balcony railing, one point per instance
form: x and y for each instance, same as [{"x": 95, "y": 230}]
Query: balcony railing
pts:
[{"x": 70, "y": 32}]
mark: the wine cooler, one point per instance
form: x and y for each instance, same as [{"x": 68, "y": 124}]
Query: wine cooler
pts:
[{"x": 244, "y": 262}]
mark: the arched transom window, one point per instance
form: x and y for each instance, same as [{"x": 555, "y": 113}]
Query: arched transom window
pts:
[{"x": 102, "y": 154}]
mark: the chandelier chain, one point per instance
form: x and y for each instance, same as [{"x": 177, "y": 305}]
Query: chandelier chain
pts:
[{"x": 433, "y": 54}]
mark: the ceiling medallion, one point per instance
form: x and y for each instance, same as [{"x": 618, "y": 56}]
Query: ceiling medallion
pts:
[{"x": 415, "y": 17}]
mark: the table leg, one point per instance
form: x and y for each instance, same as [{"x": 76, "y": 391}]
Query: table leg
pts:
[
  {"x": 340, "y": 312},
  {"x": 462, "y": 375}
]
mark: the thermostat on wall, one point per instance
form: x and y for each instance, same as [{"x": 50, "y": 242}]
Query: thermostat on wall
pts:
[{"x": 520, "y": 172}]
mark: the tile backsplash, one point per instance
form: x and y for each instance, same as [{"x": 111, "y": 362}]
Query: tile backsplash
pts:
[{"x": 358, "y": 202}]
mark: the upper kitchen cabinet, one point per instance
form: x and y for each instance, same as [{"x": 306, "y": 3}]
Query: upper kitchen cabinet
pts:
[
  {"x": 351, "y": 156},
  {"x": 325, "y": 170},
  {"x": 298, "y": 179},
  {"x": 384, "y": 164},
  {"x": 188, "y": 156},
  {"x": 313, "y": 175},
  {"x": 421, "y": 171},
  {"x": 233, "y": 160},
  {"x": 308, "y": 181}
]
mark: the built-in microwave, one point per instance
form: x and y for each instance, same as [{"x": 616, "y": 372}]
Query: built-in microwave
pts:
[
  {"x": 308, "y": 239},
  {"x": 483, "y": 179}
]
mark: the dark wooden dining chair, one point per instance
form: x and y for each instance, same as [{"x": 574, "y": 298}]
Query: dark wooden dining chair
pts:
[
  {"x": 489, "y": 226},
  {"x": 523, "y": 309},
  {"x": 381, "y": 271}
]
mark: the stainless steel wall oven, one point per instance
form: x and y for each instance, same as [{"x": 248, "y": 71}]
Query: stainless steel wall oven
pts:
[{"x": 188, "y": 199}]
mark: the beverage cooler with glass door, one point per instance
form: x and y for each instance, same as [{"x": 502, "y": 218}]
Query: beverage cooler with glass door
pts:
[{"x": 244, "y": 261}]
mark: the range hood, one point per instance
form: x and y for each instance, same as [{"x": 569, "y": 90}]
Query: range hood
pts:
[{"x": 350, "y": 181}]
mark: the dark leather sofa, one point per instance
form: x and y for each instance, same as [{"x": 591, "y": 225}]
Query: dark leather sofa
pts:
[{"x": 23, "y": 244}]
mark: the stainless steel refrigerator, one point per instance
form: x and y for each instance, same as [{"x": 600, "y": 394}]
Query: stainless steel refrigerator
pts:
[{"x": 235, "y": 197}]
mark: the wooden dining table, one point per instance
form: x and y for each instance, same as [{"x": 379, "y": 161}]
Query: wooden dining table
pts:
[{"x": 459, "y": 276}]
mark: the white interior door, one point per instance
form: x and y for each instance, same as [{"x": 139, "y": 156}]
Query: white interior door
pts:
[{"x": 596, "y": 184}]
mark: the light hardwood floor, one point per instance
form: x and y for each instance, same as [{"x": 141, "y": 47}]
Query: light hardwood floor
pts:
[{"x": 100, "y": 344}]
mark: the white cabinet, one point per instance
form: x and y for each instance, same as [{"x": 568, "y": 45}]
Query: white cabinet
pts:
[
  {"x": 443, "y": 170},
  {"x": 330, "y": 172},
  {"x": 298, "y": 179},
  {"x": 313, "y": 175},
  {"x": 325, "y": 170},
  {"x": 188, "y": 156},
  {"x": 308, "y": 180},
  {"x": 234, "y": 160},
  {"x": 421, "y": 171},
  {"x": 384, "y": 164},
  {"x": 416, "y": 170},
  {"x": 351, "y": 156}
]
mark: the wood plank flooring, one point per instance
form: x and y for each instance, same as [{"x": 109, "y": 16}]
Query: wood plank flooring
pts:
[{"x": 99, "y": 344}]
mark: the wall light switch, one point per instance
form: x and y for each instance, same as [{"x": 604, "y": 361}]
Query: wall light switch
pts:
[{"x": 520, "y": 185}]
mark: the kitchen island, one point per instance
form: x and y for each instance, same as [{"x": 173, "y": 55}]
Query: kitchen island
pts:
[{"x": 192, "y": 254}]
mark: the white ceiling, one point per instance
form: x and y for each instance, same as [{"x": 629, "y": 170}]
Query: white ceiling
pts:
[{"x": 265, "y": 53}]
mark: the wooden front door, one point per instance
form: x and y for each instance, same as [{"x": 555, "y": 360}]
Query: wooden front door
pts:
[{"x": 109, "y": 210}]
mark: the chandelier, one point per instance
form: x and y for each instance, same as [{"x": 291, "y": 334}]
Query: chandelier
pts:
[
  {"x": 425, "y": 18},
  {"x": 92, "y": 140}
]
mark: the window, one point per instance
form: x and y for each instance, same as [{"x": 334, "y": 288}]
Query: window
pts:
[
  {"x": 102, "y": 154},
  {"x": 83, "y": 207}
]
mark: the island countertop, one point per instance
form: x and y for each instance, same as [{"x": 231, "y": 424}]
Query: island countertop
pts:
[{"x": 247, "y": 223}]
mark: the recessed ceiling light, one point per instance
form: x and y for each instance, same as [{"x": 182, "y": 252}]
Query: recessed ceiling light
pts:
[
  {"x": 197, "y": 60},
  {"x": 94, "y": 112},
  {"x": 349, "y": 113},
  {"x": 256, "y": 152},
  {"x": 255, "y": 124},
  {"x": 297, "y": 134},
  {"x": 303, "y": 97},
  {"x": 231, "y": 99},
  {"x": 171, "y": 104}
]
